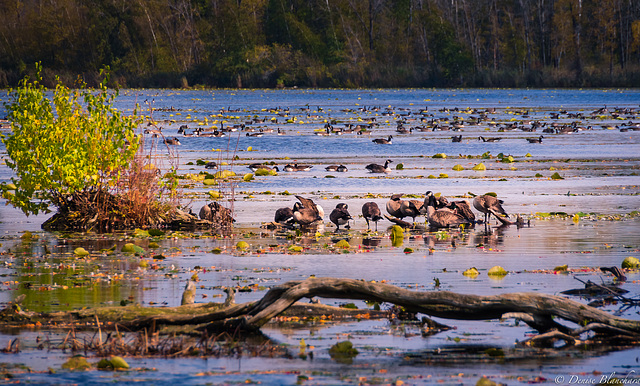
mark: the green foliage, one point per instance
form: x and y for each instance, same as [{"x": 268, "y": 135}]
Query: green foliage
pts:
[
  {"x": 271, "y": 43},
  {"x": 71, "y": 142}
]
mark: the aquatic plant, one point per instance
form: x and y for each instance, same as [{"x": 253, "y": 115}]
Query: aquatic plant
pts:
[{"x": 78, "y": 153}]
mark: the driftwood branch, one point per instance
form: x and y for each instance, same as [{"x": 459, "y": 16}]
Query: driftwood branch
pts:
[{"x": 538, "y": 310}]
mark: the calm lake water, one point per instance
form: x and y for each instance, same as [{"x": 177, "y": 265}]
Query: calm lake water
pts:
[{"x": 599, "y": 166}]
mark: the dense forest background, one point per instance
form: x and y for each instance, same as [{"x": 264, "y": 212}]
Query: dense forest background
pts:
[{"x": 325, "y": 43}]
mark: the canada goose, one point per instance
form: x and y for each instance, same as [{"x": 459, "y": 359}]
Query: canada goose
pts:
[
  {"x": 297, "y": 168},
  {"x": 336, "y": 168},
  {"x": 375, "y": 168},
  {"x": 456, "y": 138},
  {"x": 154, "y": 132},
  {"x": 340, "y": 215},
  {"x": 285, "y": 215},
  {"x": 256, "y": 166},
  {"x": 394, "y": 204},
  {"x": 410, "y": 208},
  {"x": 463, "y": 208},
  {"x": 440, "y": 202},
  {"x": 308, "y": 212},
  {"x": 490, "y": 139},
  {"x": 535, "y": 140},
  {"x": 442, "y": 218},
  {"x": 382, "y": 141},
  {"x": 489, "y": 205},
  {"x": 371, "y": 212},
  {"x": 211, "y": 165},
  {"x": 172, "y": 141},
  {"x": 189, "y": 294}
]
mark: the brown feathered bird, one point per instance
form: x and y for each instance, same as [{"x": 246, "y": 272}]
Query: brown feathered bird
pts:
[
  {"x": 308, "y": 213},
  {"x": 371, "y": 212},
  {"x": 340, "y": 215},
  {"x": 442, "y": 218},
  {"x": 489, "y": 205}
]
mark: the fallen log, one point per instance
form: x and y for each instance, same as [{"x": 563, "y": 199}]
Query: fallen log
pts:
[{"x": 540, "y": 311}]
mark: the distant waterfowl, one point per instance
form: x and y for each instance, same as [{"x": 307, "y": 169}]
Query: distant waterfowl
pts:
[
  {"x": 490, "y": 139},
  {"x": 456, "y": 138},
  {"x": 489, "y": 205},
  {"x": 375, "y": 168},
  {"x": 154, "y": 132},
  {"x": 257, "y": 134},
  {"x": 535, "y": 140},
  {"x": 336, "y": 168},
  {"x": 211, "y": 165},
  {"x": 172, "y": 141},
  {"x": 371, "y": 212},
  {"x": 340, "y": 215},
  {"x": 382, "y": 141},
  {"x": 255, "y": 167},
  {"x": 297, "y": 168},
  {"x": 308, "y": 212},
  {"x": 441, "y": 218}
]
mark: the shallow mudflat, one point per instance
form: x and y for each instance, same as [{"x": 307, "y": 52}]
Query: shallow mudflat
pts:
[{"x": 586, "y": 219}]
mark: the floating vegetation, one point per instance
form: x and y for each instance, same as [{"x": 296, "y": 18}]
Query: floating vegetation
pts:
[
  {"x": 497, "y": 271},
  {"x": 630, "y": 262},
  {"x": 471, "y": 272},
  {"x": 479, "y": 166}
]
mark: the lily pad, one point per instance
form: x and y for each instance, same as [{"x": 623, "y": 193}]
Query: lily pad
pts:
[
  {"x": 295, "y": 248},
  {"x": 440, "y": 155},
  {"x": 631, "y": 262},
  {"x": 497, "y": 271},
  {"x": 556, "y": 176},
  {"x": 247, "y": 177},
  {"x": 471, "y": 272},
  {"x": 80, "y": 252},
  {"x": 480, "y": 166},
  {"x": 344, "y": 244},
  {"x": 458, "y": 168},
  {"x": 561, "y": 268},
  {"x": 242, "y": 245},
  {"x": 343, "y": 352},
  {"x": 76, "y": 362},
  {"x": 132, "y": 248}
]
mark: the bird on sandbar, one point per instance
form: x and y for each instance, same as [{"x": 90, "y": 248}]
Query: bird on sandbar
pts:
[
  {"x": 375, "y": 168},
  {"x": 489, "y": 205},
  {"x": 336, "y": 168},
  {"x": 371, "y": 212},
  {"x": 256, "y": 166},
  {"x": 309, "y": 212},
  {"x": 441, "y": 218},
  {"x": 340, "y": 216}
]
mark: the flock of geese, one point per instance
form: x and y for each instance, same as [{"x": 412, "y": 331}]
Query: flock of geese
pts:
[{"x": 438, "y": 211}]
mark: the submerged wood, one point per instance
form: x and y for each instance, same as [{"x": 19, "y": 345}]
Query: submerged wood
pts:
[
  {"x": 542, "y": 312},
  {"x": 539, "y": 310}
]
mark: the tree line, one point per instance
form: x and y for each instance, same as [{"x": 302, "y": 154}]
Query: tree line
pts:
[{"x": 324, "y": 43}]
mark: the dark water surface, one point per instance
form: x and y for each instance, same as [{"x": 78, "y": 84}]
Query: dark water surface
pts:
[{"x": 599, "y": 166}]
